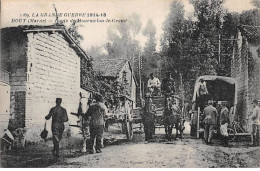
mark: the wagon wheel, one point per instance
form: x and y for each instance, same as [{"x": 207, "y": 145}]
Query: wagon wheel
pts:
[
  {"x": 129, "y": 129},
  {"x": 231, "y": 134}
]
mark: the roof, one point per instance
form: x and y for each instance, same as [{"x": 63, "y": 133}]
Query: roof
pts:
[
  {"x": 215, "y": 77},
  {"x": 51, "y": 28},
  {"x": 251, "y": 32},
  {"x": 109, "y": 67}
]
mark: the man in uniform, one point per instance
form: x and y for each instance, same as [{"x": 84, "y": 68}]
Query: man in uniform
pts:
[
  {"x": 256, "y": 122},
  {"x": 202, "y": 93},
  {"x": 224, "y": 121},
  {"x": 97, "y": 112},
  {"x": 210, "y": 121},
  {"x": 59, "y": 116},
  {"x": 154, "y": 84},
  {"x": 168, "y": 84}
]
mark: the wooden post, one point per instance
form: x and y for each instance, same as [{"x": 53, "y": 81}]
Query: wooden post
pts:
[
  {"x": 198, "y": 123},
  {"x": 140, "y": 81},
  {"x": 182, "y": 94},
  {"x": 219, "y": 48}
]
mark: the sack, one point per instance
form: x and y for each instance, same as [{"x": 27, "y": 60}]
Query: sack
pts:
[
  {"x": 44, "y": 133},
  {"x": 223, "y": 129}
]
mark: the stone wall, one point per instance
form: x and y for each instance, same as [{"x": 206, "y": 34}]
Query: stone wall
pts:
[
  {"x": 246, "y": 69},
  {"x": 53, "y": 71}
]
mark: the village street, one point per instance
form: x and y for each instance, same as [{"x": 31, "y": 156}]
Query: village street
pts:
[
  {"x": 122, "y": 74},
  {"x": 185, "y": 153},
  {"x": 188, "y": 152}
]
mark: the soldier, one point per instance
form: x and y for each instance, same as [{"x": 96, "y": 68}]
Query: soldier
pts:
[
  {"x": 256, "y": 123},
  {"x": 224, "y": 121},
  {"x": 168, "y": 84},
  {"x": 154, "y": 85},
  {"x": 210, "y": 121},
  {"x": 97, "y": 111},
  {"x": 59, "y": 116},
  {"x": 202, "y": 93}
]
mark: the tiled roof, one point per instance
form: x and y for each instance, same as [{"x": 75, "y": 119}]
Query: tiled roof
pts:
[
  {"x": 251, "y": 32},
  {"x": 109, "y": 67}
]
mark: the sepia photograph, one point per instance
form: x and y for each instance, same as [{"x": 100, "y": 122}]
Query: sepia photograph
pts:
[{"x": 130, "y": 84}]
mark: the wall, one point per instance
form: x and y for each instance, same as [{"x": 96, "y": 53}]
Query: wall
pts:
[
  {"x": 13, "y": 57},
  {"x": 4, "y": 106},
  {"x": 253, "y": 76},
  {"x": 245, "y": 68},
  {"x": 53, "y": 70}
]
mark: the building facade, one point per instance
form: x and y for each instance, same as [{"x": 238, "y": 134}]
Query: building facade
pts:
[{"x": 44, "y": 64}]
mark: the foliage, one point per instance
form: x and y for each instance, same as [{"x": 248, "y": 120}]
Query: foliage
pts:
[
  {"x": 256, "y": 3},
  {"x": 73, "y": 30},
  {"x": 121, "y": 39},
  {"x": 150, "y": 59}
]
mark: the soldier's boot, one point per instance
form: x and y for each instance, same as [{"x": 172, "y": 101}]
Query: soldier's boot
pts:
[
  {"x": 257, "y": 138},
  {"x": 226, "y": 141},
  {"x": 54, "y": 151}
]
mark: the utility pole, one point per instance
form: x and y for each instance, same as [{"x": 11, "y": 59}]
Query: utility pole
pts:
[
  {"x": 182, "y": 94},
  {"x": 219, "y": 47},
  {"x": 140, "y": 81}
]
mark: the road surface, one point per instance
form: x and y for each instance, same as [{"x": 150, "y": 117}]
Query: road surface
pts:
[{"x": 188, "y": 152}]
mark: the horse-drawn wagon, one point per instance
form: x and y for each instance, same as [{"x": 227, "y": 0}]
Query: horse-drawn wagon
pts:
[
  {"x": 220, "y": 89},
  {"x": 162, "y": 111},
  {"x": 120, "y": 113}
]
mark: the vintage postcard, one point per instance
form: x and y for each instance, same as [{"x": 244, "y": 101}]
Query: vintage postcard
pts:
[{"x": 130, "y": 84}]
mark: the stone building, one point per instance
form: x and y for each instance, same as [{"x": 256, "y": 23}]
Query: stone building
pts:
[
  {"x": 246, "y": 69},
  {"x": 44, "y": 63}
]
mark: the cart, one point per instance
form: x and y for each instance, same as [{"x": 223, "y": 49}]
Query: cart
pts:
[
  {"x": 123, "y": 116},
  {"x": 220, "y": 89},
  {"x": 155, "y": 106}
]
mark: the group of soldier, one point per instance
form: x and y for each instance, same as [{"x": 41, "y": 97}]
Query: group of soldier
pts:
[
  {"x": 223, "y": 120},
  {"x": 221, "y": 116},
  {"x": 98, "y": 110},
  {"x": 95, "y": 114}
]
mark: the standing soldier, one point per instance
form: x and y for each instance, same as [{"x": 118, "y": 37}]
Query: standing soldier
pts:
[
  {"x": 97, "y": 112},
  {"x": 224, "y": 121},
  {"x": 59, "y": 116},
  {"x": 210, "y": 121},
  {"x": 202, "y": 93},
  {"x": 256, "y": 123}
]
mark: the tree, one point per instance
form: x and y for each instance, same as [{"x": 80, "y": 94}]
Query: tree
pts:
[
  {"x": 149, "y": 58},
  {"x": 96, "y": 52},
  {"x": 121, "y": 39},
  {"x": 256, "y": 3},
  {"x": 177, "y": 46},
  {"x": 208, "y": 28}
]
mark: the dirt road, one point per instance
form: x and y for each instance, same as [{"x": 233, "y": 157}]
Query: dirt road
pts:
[
  {"x": 185, "y": 153},
  {"x": 188, "y": 152}
]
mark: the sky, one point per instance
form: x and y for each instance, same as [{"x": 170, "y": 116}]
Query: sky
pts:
[{"x": 95, "y": 34}]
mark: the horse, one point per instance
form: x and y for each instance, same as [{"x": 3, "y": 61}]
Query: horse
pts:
[{"x": 172, "y": 118}]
